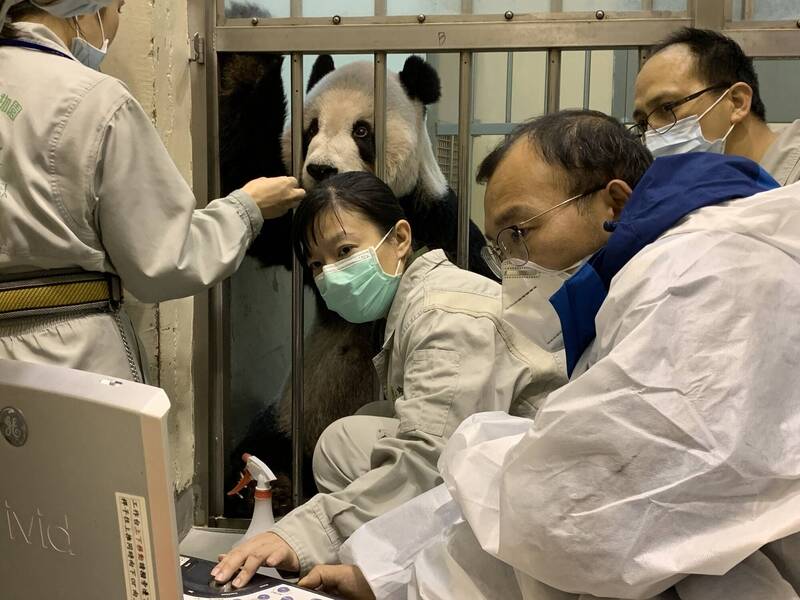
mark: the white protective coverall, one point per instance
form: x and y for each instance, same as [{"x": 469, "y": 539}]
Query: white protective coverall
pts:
[
  {"x": 86, "y": 182},
  {"x": 669, "y": 467}
]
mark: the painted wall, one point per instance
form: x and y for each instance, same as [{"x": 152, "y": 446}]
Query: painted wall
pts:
[{"x": 150, "y": 54}]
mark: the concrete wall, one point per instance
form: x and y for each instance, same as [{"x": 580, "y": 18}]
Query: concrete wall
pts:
[{"x": 150, "y": 54}]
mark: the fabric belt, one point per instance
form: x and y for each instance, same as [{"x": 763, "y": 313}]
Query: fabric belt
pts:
[{"x": 55, "y": 291}]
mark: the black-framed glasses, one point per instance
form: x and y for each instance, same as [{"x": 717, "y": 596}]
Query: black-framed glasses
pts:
[
  {"x": 510, "y": 243},
  {"x": 663, "y": 118}
]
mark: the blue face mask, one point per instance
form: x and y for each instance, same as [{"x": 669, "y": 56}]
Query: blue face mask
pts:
[
  {"x": 85, "y": 53},
  {"x": 64, "y": 9},
  {"x": 686, "y": 136},
  {"x": 357, "y": 287}
]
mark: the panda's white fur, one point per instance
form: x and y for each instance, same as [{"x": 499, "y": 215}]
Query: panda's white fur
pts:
[{"x": 345, "y": 96}]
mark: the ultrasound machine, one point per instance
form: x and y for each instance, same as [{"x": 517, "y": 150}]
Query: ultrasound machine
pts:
[{"x": 86, "y": 500}]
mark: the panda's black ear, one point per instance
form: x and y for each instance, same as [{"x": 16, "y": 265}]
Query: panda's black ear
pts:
[
  {"x": 322, "y": 66},
  {"x": 421, "y": 80}
]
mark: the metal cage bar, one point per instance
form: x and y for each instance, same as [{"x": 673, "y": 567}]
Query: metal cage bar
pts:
[
  {"x": 218, "y": 311},
  {"x": 509, "y": 86},
  {"x": 553, "y": 83},
  {"x": 476, "y": 33},
  {"x": 587, "y": 78},
  {"x": 464, "y": 156},
  {"x": 379, "y": 118},
  {"x": 297, "y": 291}
]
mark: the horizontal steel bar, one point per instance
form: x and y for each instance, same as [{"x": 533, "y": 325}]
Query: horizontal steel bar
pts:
[
  {"x": 768, "y": 43},
  {"x": 477, "y": 128},
  {"x": 412, "y": 19},
  {"x": 446, "y": 37}
]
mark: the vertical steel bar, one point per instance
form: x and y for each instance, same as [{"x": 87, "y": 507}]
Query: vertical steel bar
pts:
[
  {"x": 644, "y": 54},
  {"x": 296, "y": 8},
  {"x": 200, "y": 16},
  {"x": 553, "y": 84},
  {"x": 509, "y": 85},
  {"x": 379, "y": 121},
  {"x": 556, "y": 5},
  {"x": 380, "y": 114},
  {"x": 709, "y": 14},
  {"x": 464, "y": 157},
  {"x": 380, "y": 8},
  {"x": 747, "y": 10},
  {"x": 297, "y": 292},
  {"x": 587, "y": 77},
  {"x": 647, "y": 5},
  {"x": 218, "y": 314}
]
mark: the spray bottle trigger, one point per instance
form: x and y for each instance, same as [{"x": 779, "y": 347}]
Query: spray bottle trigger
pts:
[{"x": 243, "y": 483}]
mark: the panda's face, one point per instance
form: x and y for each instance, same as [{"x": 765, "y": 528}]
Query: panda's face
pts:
[
  {"x": 338, "y": 135},
  {"x": 338, "y": 131}
]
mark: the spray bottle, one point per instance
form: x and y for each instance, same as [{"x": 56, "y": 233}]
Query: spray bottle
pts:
[{"x": 262, "y": 510}]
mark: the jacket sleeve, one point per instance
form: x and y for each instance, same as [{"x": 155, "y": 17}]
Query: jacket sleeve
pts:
[
  {"x": 676, "y": 452},
  {"x": 157, "y": 241},
  {"x": 449, "y": 374}
]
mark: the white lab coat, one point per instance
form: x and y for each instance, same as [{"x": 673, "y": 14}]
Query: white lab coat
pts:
[
  {"x": 86, "y": 182},
  {"x": 670, "y": 464}
]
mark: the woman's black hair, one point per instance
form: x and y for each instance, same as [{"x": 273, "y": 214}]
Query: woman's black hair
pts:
[{"x": 356, "y": 191}]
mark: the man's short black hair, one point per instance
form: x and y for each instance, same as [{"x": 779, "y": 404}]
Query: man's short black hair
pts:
[
  {"x": 589, "y": 147},
  {"x": 718, "y": 60}
]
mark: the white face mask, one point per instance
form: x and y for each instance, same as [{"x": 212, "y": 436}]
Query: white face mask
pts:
[
  {"x": 686, "y": 136},
  {"x": 86, "y": 53},
  {"x": 526, "y": 301}
]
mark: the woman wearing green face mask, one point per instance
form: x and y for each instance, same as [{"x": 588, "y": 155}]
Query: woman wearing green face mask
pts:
[{"x": 445, "y": 356}]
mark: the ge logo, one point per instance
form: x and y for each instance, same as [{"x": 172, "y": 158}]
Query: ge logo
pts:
[{"x": 13, "y": 426}]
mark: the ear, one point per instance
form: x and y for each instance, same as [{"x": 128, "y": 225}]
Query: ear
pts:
[
  {"x": 420, "y": 80},
  {"x": 742, "y": 98},
  {"x": 322, "y": 66},
  {"x": 617, "y": 194},
  {"x": 402, "y": 237}
]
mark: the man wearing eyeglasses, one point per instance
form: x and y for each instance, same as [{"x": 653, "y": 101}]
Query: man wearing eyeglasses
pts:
[
  {"x": 698, "y": 92},
  {"x": 668, "y": 467}
]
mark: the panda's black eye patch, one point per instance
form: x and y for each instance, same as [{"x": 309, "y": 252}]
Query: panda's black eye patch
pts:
[
  {"x": 313, "y": 128},
  {"x": 364, "y": 138},
  {"x": 308, "y": 135}
]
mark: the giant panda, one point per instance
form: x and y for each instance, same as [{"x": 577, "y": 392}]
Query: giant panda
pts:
[{"x": 338, "y": 135}]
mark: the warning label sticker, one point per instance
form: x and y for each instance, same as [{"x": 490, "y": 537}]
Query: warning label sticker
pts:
[{"x": 134, "y": 529}]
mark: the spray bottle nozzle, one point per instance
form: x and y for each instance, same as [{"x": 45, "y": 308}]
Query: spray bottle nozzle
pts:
[{"x": 254, "y": 469}]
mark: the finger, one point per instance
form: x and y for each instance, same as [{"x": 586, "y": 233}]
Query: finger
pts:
[
  {"x": 292, "y": 181},
  {"x": 278, "y": 558},
  {"x": 228, "y": 566},
  {"x": 298, "y": 194},
  {"x": 251, "y": 565},
  {"x": 313, "y": 580}
]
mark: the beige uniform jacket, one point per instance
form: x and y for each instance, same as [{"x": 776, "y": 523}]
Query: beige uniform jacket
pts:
[
  {"x": 446, "y": 356},
  {"x": 782, "y": 159},
  {"x": 86, "y": 182}
]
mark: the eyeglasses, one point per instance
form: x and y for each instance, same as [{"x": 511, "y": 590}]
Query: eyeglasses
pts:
[
  {"x": 663, "y": 118},
  {"x": 510, "y": 242}
]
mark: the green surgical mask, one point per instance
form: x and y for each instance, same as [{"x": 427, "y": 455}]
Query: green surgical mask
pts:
[{"x": 357, "y": 287}]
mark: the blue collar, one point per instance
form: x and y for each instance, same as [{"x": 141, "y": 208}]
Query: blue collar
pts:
[
  {"x": 28, "y": 45},
  {"x": 672, "y": 187}
]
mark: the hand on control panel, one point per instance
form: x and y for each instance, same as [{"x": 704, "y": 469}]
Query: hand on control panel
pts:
[{"x": 345, "y": 581}]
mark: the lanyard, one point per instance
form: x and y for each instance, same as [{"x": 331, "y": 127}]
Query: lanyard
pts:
[{"x": 33, "y": 46}]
